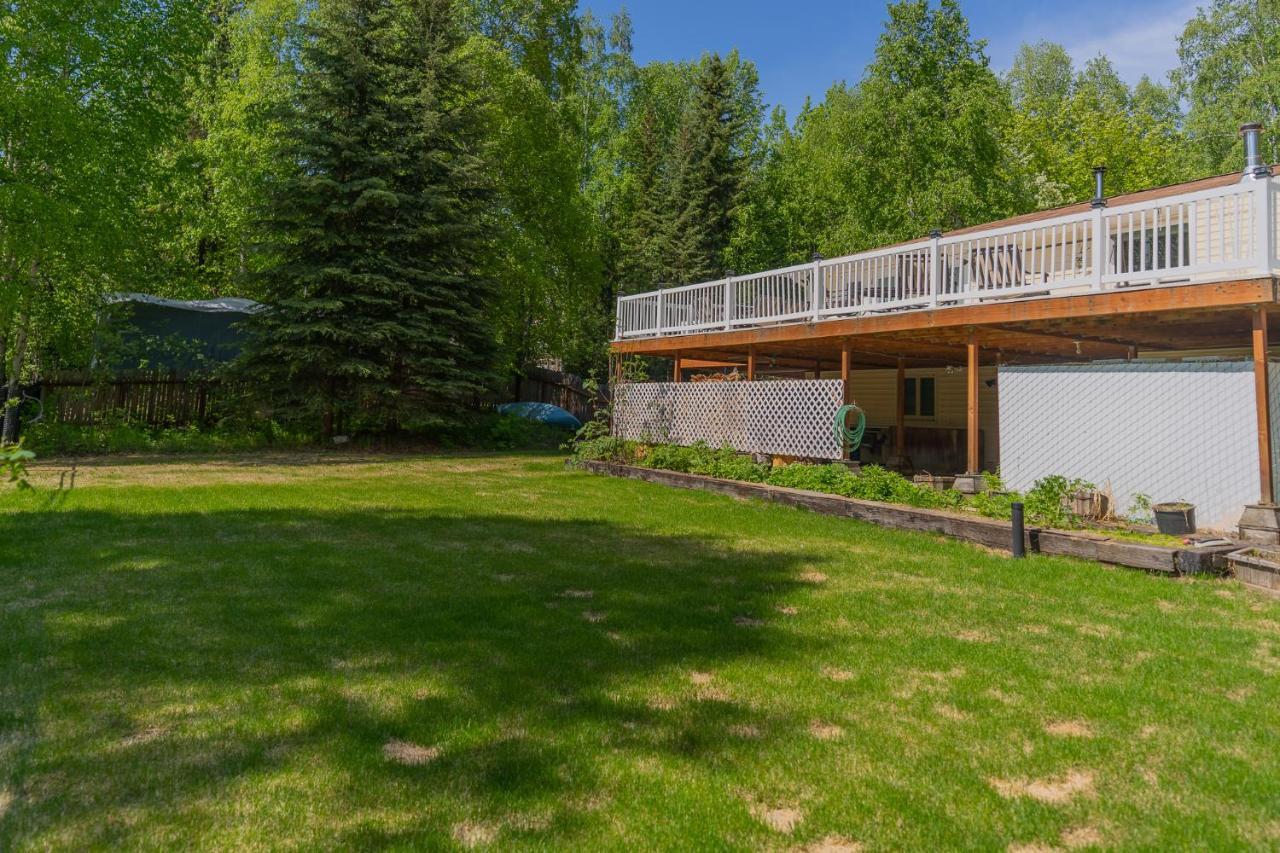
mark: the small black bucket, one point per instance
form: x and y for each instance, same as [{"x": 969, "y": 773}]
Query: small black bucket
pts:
[{"x": 1175, "y": 519}]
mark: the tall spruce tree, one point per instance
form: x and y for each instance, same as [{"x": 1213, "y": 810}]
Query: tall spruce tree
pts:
[
  {"x": 646, "y": 236},
  {"x": 708, "y": 177},
  {"x": 375, "y": 313}
]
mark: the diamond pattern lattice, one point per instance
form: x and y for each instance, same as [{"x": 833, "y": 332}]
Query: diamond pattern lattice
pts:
[
  {"x": 1170, "y": 430},
  {"x": 788, "y": 418}
]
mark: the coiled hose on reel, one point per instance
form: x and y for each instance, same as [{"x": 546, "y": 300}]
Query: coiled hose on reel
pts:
[{"x": 844, "y": 433}]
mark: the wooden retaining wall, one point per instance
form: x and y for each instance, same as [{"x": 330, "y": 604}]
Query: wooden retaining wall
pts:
[{"x": 988, "y": 532}]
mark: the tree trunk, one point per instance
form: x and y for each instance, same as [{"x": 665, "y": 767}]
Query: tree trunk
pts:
[
  {"x": 326, "y": 422},
  {"x": 12, "y": 402}
]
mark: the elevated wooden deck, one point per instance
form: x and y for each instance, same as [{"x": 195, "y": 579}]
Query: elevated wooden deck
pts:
[{"x": 1092, "y": 326}]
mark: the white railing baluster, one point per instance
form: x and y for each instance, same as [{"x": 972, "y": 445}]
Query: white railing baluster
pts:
[
  {"x": 1098, "y": 241},
  {"x": 728, "y": 302},
  {"x": 935, "y": 268},
  {"x": 815, "y": 279},
  {"x": 1222, "y": 231}
]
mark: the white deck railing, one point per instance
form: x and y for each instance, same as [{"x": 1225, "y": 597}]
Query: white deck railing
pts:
[{"x": 1215, "y": 234}]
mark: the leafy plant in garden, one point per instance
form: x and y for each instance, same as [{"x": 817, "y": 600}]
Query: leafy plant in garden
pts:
[
  {"x": 835, "y": 479},
  {"x": 1140, "y": 508},
  {"x": 880, "y": 484},
  {"x": 995, "y": 504},
  {"x": 604, "y": 448},
  {"x": 1046, "y": 504},
  {"x": 13, "y": 462},
  {"x": 727, "y": 464},
  {"x": 1047, "y": 501},
  {"x": 632, "y": 370}
]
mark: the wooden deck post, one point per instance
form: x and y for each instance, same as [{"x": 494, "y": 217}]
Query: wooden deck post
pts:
[
  {"x": 844, "y": 372},
  {"x": 1262, "y": 395},
  {"x": 848, "y": 391},
  {"x": 971, "y": 433},
  {"x": 676, "y": 370},
  {"x": 900, "y": 423},
  {"x": 751, "y": 363}
]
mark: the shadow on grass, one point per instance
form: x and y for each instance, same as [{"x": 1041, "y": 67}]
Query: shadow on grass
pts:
[{"x": 175, "y": 661}]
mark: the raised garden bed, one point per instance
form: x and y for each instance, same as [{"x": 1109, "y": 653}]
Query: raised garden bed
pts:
[
  {"x": 1257, "y": 567},
  {"x": 989, "y": 532}
]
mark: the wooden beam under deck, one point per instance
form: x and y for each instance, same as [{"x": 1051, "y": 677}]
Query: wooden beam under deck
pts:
[
  {"x": 1027, "y": 313},
  {"x": 708, "y": 363}
]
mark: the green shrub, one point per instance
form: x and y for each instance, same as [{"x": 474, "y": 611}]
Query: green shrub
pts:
[
  {"x": 1046, "y": 504},
  {"x": 675, "y": 457},
  {"x": 604, "y": 448},
  {"x": 124, "y": 437},
  {"x": 995, "y": 504},
  {"x": 509, "y": 432},
  {"x": 874, "y": 483},
  {"x": 833, "y": 479},
  {"x": 880, "y": 484},
  {"x": 728, "y": 464}
]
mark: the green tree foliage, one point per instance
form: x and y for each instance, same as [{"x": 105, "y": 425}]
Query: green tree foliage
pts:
[
  {"x": 88, "y": 93},
  {"x": 1230, "y": 75},
  {"x": 543, "y": 37},
  {"x": 375, "y": 307},
  {"x": 205, "y": 213},
  {"x": 707, "y": 177},
  {"x": 542, "y": 233},
  {"x": 1065, "y": 122},
  {"x": 918, "y": 144},
  {"x": 647, "y": 234},
  {"x": 688, "y": 142}
]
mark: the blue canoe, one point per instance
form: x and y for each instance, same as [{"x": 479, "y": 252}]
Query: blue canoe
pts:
[{"x": 542, "y": 412}]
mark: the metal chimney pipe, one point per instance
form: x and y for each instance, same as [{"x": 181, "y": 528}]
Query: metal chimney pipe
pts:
[
  {"x": 1099, "y": 199},
  {"x": 1254, "y": 167}
]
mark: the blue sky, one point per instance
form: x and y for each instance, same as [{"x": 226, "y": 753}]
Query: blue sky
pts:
[{"x": 803, "y": 46}]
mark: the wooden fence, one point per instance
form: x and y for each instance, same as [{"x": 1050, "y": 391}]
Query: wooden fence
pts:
[
  {"x": 152, "y": 397},
  {"x": 162, "y": 398},
  {"x": 560, "y": 389}
]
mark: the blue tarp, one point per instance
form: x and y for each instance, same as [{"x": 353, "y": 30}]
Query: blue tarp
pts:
[{"x": 542, "y": 412}]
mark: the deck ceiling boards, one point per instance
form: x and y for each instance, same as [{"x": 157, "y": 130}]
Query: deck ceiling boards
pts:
[{"x": 1091, "y": 326}]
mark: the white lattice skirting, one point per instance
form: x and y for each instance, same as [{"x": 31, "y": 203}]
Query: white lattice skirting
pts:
[{"x": 787, "y": 418}]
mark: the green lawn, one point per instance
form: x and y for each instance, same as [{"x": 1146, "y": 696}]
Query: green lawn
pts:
[{"x": 428, "y": 652}]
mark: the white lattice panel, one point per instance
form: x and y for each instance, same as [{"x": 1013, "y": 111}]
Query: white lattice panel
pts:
[
  {"x": 788, "y": 418},
  {"x": 1170, "y": 430}
]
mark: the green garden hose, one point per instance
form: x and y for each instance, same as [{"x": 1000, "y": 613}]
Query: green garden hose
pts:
[{"x": 852, "y": 436}]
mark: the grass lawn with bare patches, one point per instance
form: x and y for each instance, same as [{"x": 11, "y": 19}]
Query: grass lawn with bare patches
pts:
[{"x": 493, "y": 651}]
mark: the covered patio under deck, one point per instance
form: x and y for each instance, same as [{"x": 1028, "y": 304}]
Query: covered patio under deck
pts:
[
  {"x": 1224, "y": 317},
  {"x": 1119, "y": 341}
]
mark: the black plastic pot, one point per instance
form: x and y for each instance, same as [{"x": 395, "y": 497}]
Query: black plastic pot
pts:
[{"x": 1175, "y": 519}]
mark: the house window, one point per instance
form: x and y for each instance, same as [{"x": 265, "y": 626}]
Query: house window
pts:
[{"x": 918, "y": 397}]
